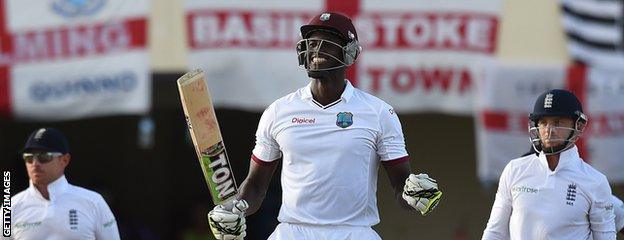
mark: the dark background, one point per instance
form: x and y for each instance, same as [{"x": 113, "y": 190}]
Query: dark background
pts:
[{"x": 157, "y": 192}]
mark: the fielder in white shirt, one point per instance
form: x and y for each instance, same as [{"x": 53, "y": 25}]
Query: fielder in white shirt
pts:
[
  {"x": 51, "y": 208},
  {"x": 331, "y": 138},
  {"x": 555, "y": 194}
]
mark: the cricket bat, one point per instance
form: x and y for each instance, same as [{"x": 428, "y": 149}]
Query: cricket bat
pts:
[{"x": 204, "y": 130}]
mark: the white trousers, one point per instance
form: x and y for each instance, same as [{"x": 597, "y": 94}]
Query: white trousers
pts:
[{"x": 289, "y": 231}]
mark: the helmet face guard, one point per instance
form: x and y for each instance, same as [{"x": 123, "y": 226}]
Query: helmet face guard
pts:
[
  {"x": 565, "y": 143},
  {"x": 308, "y": 48},
  {"x": 556, "y": 103}
]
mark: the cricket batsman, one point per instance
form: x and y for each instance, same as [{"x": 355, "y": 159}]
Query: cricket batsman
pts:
[
  {"x": 553, "y": 194},
  {"x": 332, "y": 138}
]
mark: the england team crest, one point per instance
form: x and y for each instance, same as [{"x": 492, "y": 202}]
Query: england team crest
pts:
[{"x": 344, "y": 119}]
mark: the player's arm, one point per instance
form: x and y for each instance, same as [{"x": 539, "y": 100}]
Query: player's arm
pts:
[
  {"x": 254, "y": 188},
  {"x": 618, "y": 209},
  {"x": 106, "y": 224},
  {"x": 263, "y": 161},
  {"x": 419, "y": 192},
  {"x": 498, "y": 224},
  {"x": 228, "y": 222},
  {"x": 601, "y": 212},
  {"x": 414, "y": 192},
  {"x": 398, "y": 170}
]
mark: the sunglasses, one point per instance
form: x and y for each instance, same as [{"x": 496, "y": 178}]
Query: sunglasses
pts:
[{"x": 44, "y": 157}]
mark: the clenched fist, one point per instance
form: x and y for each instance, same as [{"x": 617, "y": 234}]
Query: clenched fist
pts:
[
  {"x": 229, "y": 224},
  {"x": 422, "y": 193}
]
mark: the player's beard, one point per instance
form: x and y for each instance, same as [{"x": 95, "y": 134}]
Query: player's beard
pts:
[
  {"x": 316, "y": 74},
  {"x": 553, "y": 142},
  {"x": 324, "y": 74},
  {"x": 319, "y": 70}
]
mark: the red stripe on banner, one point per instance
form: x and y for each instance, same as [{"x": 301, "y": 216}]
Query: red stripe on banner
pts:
[
  {"x": 3, "y": 21},
  {"x": 80, "y": 41},
  {"x": 138, "y": 32},
  {"x": 495, "y": 121},
  {"x": 190, "y": 30},
  {"x": 576, "y": 82},
  {"x": 350, "y": 8},
  {"x": 418, "y": 31},
  {"x": 606, "y": 125},
  {"x": 6, "y": 40},
  {"x": 229, "y": 28},
  {"x": 5, "y": 97},
  {"x": 493, "y": 35},
  {"x": 5, "y": 47}
]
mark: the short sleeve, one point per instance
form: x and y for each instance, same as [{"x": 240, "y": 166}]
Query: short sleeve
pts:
[
  {"x": 106, "y": 225},
  {"x": 390, "y": 143},
  {"x": 601, "y": 216},
  {"x": 266, "y": 149}
]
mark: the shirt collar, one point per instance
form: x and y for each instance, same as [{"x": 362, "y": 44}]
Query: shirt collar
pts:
[
  {"x": 346, "y": 94},
  {"x": 567, "y": 159},
  {"x": 55, "y": 189}
]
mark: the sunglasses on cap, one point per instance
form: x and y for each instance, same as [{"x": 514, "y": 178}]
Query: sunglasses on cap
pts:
[{"x": 44, "y": 157}]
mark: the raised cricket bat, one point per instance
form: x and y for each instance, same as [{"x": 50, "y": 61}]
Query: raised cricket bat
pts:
[{"x": 204, "y": 130}]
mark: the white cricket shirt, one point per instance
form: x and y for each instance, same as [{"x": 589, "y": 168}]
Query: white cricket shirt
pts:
[
  {"x": 618, "y": 208},
  {"x": 572, "y": 202},
  {"x": 331, "y": 155},
  {"x": 71, "y": 213}
]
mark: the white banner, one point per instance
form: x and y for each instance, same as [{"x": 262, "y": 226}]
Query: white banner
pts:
[
  {"x": 418, "y": 55},
  {"x": 506, "y": 96},
  {"x": 73, "y": 89},
  {"x": 75, "y": 59}
]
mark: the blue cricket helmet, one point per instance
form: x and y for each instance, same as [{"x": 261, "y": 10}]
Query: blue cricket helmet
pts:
[{"x": 557, "y": 102}]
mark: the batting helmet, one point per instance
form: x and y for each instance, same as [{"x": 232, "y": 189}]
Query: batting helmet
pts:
[
  {"x": 337, "y": 24},
  {"x": 562, "y": 103}
]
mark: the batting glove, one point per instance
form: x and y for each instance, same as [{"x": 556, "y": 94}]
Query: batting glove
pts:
[
  {"x": 422, "y": 193},
  {"x": 229, "y": 224}
]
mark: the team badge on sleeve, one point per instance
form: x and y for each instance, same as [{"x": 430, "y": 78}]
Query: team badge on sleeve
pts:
[{"x": 344, "y": 119}]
